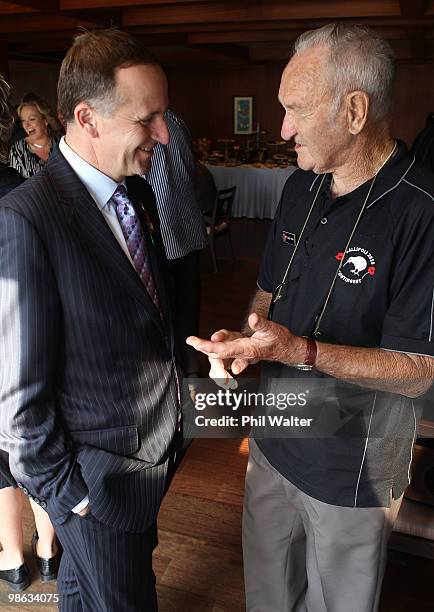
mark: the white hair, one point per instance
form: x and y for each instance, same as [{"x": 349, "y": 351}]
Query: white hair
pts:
[{"x": 359, "y": 60}]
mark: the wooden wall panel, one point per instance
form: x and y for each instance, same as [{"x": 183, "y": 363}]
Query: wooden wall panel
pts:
[
  {"x": 204, "y": 98},
  {"x": 414, "y": 99},
  {"x": 39, "y": 78}
]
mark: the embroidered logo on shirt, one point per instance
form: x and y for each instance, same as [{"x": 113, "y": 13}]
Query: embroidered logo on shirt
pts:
[
  {"x": 358, "y": 263},
  {"x": 289, "y": 238}
]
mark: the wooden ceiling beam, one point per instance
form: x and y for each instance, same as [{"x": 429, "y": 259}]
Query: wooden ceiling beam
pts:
[
  {"x": 35, "y": 37},
  {"x": 7, "y": 8},
  {"x": 412, "y": 8},
  {"x": 36, "y": 22},
  {"x": 271, "y": 36},
  {"x": 272, "y": 10},
  {"x": 109, "y": 18},
  {"x": 269, "y": 26},
  {"x": 21, "y": 39},
  {"x": 66, "y": 5},
  {"x": 38, "y": 5},
  {"x": 183, "y": 55},
  {"x": 242, "y": 36}
]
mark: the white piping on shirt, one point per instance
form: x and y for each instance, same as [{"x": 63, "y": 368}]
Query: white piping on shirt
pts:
[
  {"x": 432, "y": 314},
  {"x": 394, "y": 186},
  {"x": 412, "y": 444},
  {"x": 314, "y": 181},
  {"x": 420, "y": 189},
  {"x": 364, "y": 451}
]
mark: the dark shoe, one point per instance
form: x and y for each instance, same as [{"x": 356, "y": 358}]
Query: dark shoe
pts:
[
  {"x": 47, "y": 567},
  {"x": 18, "y": 578}
]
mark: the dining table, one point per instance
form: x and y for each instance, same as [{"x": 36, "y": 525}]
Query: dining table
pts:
[{"x": 258, "y": 188}]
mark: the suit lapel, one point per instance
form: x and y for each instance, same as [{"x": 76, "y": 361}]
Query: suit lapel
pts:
[{"x": 92, "y": 228}]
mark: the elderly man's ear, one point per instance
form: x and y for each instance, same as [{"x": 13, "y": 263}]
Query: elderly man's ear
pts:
[
  {"x": 357, "y": 111},
  {"x": 85, "y": 117}
]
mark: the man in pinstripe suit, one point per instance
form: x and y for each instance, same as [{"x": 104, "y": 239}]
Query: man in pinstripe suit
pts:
[{"x": 88, "y": 384}]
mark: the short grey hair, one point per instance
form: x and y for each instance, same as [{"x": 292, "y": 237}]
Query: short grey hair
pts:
[{"x": 359, "y": 60}]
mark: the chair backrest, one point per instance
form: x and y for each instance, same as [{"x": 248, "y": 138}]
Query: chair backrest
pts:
[{"x": 222, "y": 207}]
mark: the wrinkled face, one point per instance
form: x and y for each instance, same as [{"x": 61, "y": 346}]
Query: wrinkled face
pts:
[
  {"x": 127, "y": 137},
  {"x": 33, "y": 122},
  {"x": 320, "y": 133}
]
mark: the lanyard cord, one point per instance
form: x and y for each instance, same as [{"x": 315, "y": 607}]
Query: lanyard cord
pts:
[
  {"x": 332, "y": 285},
  {"x": 362, "y": 210},
  {"x": 277, "y": 294},
  {"x": 278, "y": 291}
]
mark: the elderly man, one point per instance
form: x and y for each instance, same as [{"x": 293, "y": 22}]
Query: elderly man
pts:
[
  {"x": 88, "y": 383},
  {"x": 346, "y": 281}
]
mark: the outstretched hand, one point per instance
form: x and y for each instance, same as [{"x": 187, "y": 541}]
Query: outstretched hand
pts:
[{"x": 231, "y": 350}]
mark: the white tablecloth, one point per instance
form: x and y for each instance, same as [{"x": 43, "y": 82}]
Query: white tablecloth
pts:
[{"x": 258, "y": 189}]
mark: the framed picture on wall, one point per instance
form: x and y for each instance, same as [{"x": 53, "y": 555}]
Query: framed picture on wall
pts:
[{"x": 243, "y": 115}]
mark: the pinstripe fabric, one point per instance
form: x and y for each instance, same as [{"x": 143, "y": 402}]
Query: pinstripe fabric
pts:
[
  {"x": 9, "y": 179},
  {"x": 122, "y": 582},
  {"x": 172, "y": 178},
  {"x": 88, "y": 395}
]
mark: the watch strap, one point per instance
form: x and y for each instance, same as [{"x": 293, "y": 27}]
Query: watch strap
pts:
[{"x": 311, "y": 351}]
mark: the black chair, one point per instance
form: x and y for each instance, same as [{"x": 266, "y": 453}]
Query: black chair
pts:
[{"x": 219, "y": 223}]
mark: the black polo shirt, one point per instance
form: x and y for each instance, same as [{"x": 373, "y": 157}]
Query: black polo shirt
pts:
[{"x": 383, "y": 297}]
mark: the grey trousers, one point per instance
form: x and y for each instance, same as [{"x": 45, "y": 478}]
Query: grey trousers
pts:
[{"x": 301, "y": 554}]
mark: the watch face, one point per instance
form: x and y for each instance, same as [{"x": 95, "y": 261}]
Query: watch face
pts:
[{"x": 304, "y": 367}]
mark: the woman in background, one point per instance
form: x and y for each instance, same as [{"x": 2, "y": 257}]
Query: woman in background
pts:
[
  {"x": 29, "y": 154},
  {"x": 13, "y": 569}
]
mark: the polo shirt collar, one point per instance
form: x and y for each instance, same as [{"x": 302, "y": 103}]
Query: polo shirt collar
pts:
[
  {"x": 389, "y": 177},
  {"x": 393, "y": 173}
]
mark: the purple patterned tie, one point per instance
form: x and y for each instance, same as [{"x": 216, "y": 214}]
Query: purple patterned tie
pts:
[{"x": 135, "y": 239}]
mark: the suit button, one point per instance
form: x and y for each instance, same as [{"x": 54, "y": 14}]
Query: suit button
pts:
[
  {"x": 317, "y": 334},
  {"x": 323, "y": 220},
  {"x": 20, "y": 485},
  {"x": 36, "y": 500},
  {"x": 43, "y": 504},
  {"x": 25, "y": 491}
]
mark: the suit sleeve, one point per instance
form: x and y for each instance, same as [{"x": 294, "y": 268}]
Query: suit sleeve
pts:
[{"x": 30, "y": 331}]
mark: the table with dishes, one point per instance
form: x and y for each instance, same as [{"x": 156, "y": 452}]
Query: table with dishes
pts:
[{"x": 259, "y": 187}]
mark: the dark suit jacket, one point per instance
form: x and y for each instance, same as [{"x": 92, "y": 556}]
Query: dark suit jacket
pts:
[
  {"x": 88, "y": 391},
  {"x": 9, "y": 179}
]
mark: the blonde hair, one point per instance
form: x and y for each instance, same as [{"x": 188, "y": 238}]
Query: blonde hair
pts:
[{"x": 54, "y": 127}]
